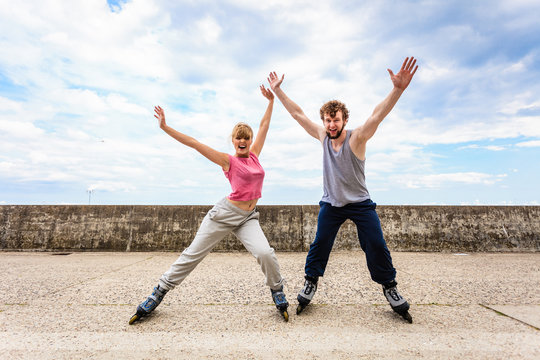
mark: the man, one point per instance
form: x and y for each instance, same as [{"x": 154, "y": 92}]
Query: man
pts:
[{"x": 345, "y": 193}]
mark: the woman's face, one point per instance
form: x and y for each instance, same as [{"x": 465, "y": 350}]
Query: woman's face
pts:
[{"x": 242, "y": 145}]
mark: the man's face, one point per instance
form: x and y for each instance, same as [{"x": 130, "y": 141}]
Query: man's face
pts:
[{"x": 334, "y": 125}]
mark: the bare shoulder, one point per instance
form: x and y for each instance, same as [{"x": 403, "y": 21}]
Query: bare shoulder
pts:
[
  {"x": 225, "y": 162},
  {"x": 358, "y": 143},
  {"x": 359, "y": 133},
  {"x": 321, "y": 133},
  {"x": 356, "y": 136}
]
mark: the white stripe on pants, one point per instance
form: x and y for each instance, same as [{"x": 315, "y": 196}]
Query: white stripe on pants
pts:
[{"x": 222, "y": 219}]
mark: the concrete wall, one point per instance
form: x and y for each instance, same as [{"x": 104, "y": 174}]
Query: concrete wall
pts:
[{"x": 288, "y": 228}]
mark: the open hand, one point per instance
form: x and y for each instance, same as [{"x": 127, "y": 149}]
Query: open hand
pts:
[
  {"x": 402, "y": 79},
  {"x": 274, "y": 80},
  {"x": 160, "y": 115},
  {"x": 267, "y": 93}
]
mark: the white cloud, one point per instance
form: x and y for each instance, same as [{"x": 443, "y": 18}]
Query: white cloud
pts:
[
  {"x": 110, "y": 186},
  {"x": 85, "y": 79},
  {"x": 293, "y": 182},
  {"x": 477, "y": 202},
  {"x": 121, "y": 104},
  {"x": 208, "y": 29},
  {"x": 432, "y": 72},
  {"x": 488, "y": 147},
  {"x": 438, "y": 180},
  {"x": 13, "y": 130},
  {"x": 521, "y": 101},
  {"x": 78, "y": 101},
  {"x": 533, "y": 143},
  {"x": 9, "y": 105}
]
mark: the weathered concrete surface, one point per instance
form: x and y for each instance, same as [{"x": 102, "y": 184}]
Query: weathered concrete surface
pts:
[
  {"x": 77, "y": 307},
  {"x": 528, "y": 314},
  {"x": 288, "y": 228}
]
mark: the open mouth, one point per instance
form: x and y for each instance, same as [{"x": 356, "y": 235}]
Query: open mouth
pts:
[{"x": 241, "y": 146}]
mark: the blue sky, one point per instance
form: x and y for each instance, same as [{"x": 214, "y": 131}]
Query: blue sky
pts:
[{"x": 79, "y": 79}]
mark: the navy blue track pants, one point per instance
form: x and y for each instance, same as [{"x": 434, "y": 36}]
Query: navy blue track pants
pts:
[{"x": 370, "y": 235}]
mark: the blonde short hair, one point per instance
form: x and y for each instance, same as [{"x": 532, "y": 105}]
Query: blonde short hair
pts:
[{"x": 242, "y": 130}]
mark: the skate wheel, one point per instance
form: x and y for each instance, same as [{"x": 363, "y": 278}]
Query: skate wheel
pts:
[
  {"x": 407, "y": 317},
  {"x": 133, "y": 319},
  {"x": 285, "y": 315},
  {"x": 299, "y": 309}
]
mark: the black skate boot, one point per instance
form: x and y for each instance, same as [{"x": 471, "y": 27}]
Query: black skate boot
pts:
[
  {"x": 281, "y": 302},
  {"x": 397, "y": 302},
  {"x": 148, "y": 305},
  {"x": 306, "y": 294}
]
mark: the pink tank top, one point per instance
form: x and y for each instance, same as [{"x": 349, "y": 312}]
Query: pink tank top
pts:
[{"x": 246, "y": 176}]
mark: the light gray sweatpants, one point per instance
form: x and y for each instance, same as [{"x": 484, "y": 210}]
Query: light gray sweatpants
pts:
[{"x": 223, "y": 218}]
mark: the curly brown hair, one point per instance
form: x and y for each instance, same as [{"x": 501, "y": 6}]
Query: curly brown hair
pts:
[{"x": 332, "y": 107}]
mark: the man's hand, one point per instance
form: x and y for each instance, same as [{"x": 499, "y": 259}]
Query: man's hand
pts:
[
  {"x": 275, "y": 81},
  {"x": 402, "y": 79}
]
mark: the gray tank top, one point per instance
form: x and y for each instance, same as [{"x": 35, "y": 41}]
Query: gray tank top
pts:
[{"x": 343, "y": 175}]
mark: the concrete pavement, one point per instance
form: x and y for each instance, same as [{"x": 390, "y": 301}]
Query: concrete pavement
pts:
[{"x": 77, "y": 306}]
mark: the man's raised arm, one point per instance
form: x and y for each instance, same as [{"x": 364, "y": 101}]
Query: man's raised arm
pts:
[
  {"x": 317, "y": 131},
  {"x": 400, "y": 80}
]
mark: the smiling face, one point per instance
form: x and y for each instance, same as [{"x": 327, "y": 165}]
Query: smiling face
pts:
[
  {"x": 334, "y": 115},
  {"x": 242, "y": 146},
  {"x": 334, "y": 125},
  {"x": 242, "y": 137}
]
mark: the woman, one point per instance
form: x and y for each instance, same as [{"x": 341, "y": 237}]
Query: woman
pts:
[{"x": 235, "y": 213}]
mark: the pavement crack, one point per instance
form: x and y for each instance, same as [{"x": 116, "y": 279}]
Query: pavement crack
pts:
[
  {"x": 508, "y": 316},
  {"x": 94, "y": 277}
]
